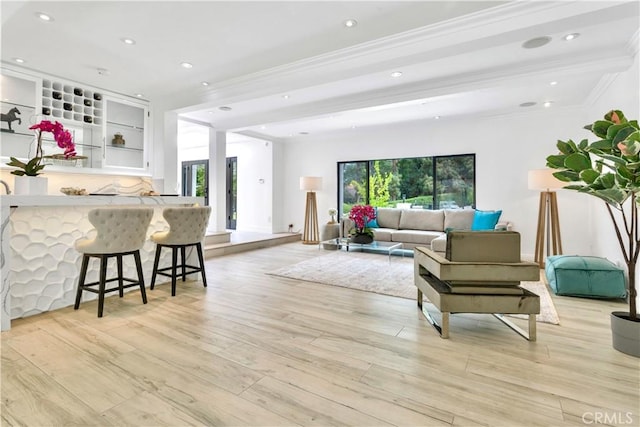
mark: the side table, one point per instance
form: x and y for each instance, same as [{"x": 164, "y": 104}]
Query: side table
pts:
[{"x": 329, "y": 231}]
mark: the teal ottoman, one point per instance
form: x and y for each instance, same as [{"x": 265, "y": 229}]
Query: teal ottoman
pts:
[{"x": 585, "y": 276}]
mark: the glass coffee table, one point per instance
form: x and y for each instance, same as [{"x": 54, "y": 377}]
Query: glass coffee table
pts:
[{"x": 343, "y": 243}]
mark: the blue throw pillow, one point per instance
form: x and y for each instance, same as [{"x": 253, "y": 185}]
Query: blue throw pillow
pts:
[
  {"x": 485, "y": 220},
  {"x": 373, "y": 223}
]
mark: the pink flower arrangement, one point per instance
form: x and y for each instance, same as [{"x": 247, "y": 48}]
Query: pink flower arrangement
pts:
[
  {"x": 361, "y": 215},
  {"x": 62, "y": 137}
]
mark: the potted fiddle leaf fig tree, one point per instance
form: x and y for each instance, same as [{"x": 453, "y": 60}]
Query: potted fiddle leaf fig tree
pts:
[{"x": 609, "y": 169}]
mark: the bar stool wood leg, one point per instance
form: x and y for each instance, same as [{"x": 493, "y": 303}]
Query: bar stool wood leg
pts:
[
  {"x": 174, "y": 270},
  {"x": 183, "y": 253},
  {"x": 81, "y": 279},
  {"x": 102, "y": 284},
  {"x": 120, "y": 281},
  {"x": 201, "y": 260},
  {"x": 136, "y": 256},
  {"x": 155, "y": 266}
]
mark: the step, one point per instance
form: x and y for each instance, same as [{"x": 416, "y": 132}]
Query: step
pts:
[
  {"x": 217, "y": 237},
  {"x": 221, "y": 249}
]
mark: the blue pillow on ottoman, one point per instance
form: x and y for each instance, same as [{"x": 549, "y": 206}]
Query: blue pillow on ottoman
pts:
[{"x": 585, "y": 276}]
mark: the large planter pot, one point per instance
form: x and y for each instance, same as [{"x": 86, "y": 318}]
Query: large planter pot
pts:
[
  {"x": 625, "y": 333},
  {"x": 31, "y": 185},
  {"x": 362, "y": 239}
]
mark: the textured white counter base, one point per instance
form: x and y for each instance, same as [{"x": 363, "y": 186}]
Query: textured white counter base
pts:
[{"x": 40, "y": 266}]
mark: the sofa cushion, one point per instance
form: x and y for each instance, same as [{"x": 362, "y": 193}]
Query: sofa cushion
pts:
[
  {"x": 458, "y": 219},
  {"x": 585, "y": 276},
  {"x": 388, "y": 218},
  {"x": 422, "y": 219},
  {"x": 382, "y": 234},
  {"x": 485, "y": 220},
  {"x": 439, "y": 244},
  {"x": 421, "y": 237}
]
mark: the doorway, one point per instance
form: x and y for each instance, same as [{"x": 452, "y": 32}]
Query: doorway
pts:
[
  {"x": 232, "y": 192},
  {"x": 195, "y": 179}
]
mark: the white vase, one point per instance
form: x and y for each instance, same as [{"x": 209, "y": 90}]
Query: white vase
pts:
[{"x": 31, "y": 185}]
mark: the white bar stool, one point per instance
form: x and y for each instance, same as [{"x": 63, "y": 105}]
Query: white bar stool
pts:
[
  {"x": 120, "y": 232},
  {"x": 187, "y": 226}
]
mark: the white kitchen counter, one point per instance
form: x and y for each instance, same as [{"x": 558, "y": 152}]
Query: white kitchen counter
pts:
[{"x": 39, "y": 265}]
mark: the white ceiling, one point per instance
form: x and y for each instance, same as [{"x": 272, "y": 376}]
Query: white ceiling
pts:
[{"x": 457, "y": 58}]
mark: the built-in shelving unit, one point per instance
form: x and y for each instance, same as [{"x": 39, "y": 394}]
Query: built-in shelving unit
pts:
[{"x": 93, "y": 116}]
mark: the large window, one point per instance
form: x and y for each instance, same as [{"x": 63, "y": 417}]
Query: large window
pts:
[{"x": 419, "y": 183}]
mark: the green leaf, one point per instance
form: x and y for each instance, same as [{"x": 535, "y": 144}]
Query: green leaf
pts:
[
  {"x": 623, "y": 133},
  {"x": 583, "y": 144},
  {"x": 577, "y": 162},
  {"x": 603, "y": 144},
  {"x": 599, "y": 128},
  {"x": 607, "y": 180},
  {"x": 614, "y": 159},
  {"x": 556, "y": 161},
  {"x": 564, "y": 147},
  {"x": 16, "y": 163},
  {"x": 613, "y": 130},
  {"x": 567, "y": 176},
  {"x": 623, "y": 171},
  {"x": 589, "y": 175},
  {"x": 620, "y": 114}
]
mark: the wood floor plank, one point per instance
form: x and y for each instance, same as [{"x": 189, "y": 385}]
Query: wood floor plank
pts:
[
  {"x": 305, "y": 408},
  {"x": 31, "y": 397},
  {"x": 376, "y": 402}
]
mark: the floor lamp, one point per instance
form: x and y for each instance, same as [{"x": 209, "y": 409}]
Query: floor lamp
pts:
[
  {"x": 548, "y": 222},
  {"x": 310, "y": 184}
]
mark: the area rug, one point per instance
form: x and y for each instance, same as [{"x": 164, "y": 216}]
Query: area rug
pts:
[{"x": 383, "y": 275}]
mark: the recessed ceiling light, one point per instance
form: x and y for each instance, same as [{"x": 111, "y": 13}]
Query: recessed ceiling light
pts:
[
  {"x": 285, "y": 96},
  {"x": 19, "y": 60},
  {"x": 353, "y": 126},
  {"x": 350, "y": 23},
  {"x": 139, "y": 95},
  {"x": 548, "y": 104},
  {"x": 210, "y": 112},
  {"x": 437, "y": 117},
  {"x": 205, "y": 83},
  {"x": 571, "y": 36},
  {"x": 44, "y": 16},
  {"x": 396, "y": 74},
  {"x": 528, "y": 104},
  {"x": 263, "y": 127},
  {"x": 553, "y": 83},
  {"x": 225, "y": 108},
  {"x": 536, "y": 42},
  {"x": 128, "y": 41},
  {"x": 186, "y": 65}
]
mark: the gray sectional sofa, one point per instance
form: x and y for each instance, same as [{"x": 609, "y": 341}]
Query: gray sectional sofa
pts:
[{"x": 419, "y": 227}]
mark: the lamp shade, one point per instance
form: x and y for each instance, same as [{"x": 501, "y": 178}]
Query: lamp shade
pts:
[
  {"x": 310, "y": 183},
  {"x": 543, "y": 180}
]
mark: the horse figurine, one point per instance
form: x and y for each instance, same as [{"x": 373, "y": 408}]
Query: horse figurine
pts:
[{"x": 11, "y": 117}]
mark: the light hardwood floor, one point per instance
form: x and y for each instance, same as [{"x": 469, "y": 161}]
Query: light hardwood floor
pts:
[{"x": 254, "y": 349}]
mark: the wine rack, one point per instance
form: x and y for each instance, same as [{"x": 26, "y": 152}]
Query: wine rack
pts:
[{"x": 71, "y": 102}]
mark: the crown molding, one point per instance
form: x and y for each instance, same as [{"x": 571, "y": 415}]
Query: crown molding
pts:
[{"x": 634, "y": 43}]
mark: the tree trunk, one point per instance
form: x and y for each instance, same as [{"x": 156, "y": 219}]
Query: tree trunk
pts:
[{"x": 631, "y": 268}]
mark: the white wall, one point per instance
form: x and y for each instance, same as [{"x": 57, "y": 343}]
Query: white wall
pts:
[
  {"x": 621, "y": 94},
  {"x": 505, "y": 147},
  {"x": 255, "y": 184}
]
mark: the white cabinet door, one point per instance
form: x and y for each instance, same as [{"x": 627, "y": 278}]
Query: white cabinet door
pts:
[{"x": 125, "y": 135}]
